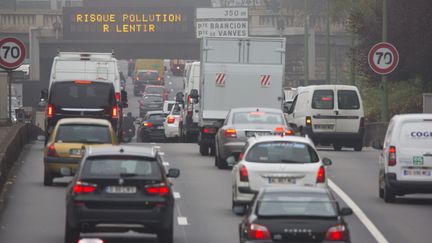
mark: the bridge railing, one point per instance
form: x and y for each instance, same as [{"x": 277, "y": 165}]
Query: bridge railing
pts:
[{"x": 21, "y": 20}]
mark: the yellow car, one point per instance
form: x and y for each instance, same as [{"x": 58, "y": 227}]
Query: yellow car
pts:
[{"x": 63, "y": 150}]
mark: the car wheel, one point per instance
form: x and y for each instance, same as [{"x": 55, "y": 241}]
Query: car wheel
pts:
[
  {"x": 72, "y": 234},
  {"x": 358, "y": 146},
  {"x": 213, "y": 150},
  {"x": 166, "y": 236},
  {"x": 388, "y": 195},
  {"x": 204, "y": 149},
  {"x": 187, "y": 137},
  {"x": 48, "y": 178},
  {"x": 337, "y": 147},
  {"x": 221, "y": 163}
]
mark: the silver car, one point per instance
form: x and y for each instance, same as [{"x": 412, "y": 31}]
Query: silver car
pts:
[{"x": 243, "y": 123}]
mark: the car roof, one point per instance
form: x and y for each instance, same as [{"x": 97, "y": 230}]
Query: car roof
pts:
[
  {"x": 91, "y": 121},
  {"x": 119, "y": 150},
  {"x": 418, "y": 116},
  {"x": 277, "y": 138},
  {"x": 328, "y": 86},
  {"x": 251, "y": 109}
]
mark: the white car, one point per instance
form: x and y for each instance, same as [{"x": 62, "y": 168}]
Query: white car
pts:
[
  {"x": 276, "y": 161},
  {"x": 168, "y": 104},
  {"x": 171, "y": 123},
  {"x": 405, "y": 164}
]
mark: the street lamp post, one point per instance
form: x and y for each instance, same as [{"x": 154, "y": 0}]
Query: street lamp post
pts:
[
  {"x": 354, "y": 52},
  {"x": 384, "y": 87},
  {"x": 328, "y": 48},
  {"x": 306, "y": 44}
]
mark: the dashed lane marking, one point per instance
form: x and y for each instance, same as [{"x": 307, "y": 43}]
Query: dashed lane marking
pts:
[
  {"x": 176, "y": 195},
  {"x": 379, "y": 237},
  {"x": 182, "y": 221}
]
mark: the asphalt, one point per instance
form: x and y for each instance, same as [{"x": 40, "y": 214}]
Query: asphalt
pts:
[{"x": 34, "y": 213}]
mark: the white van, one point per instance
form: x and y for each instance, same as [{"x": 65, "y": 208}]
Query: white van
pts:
[
  {"x": 329, "y": 114},
  {"x": 405, "y": 165},
  {"x": 189, "y": 126}
]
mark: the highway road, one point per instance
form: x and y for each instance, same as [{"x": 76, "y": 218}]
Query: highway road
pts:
[{"x": 34, "y": 213}]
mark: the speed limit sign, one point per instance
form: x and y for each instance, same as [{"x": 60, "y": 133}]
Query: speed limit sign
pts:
[
  {"x": 12, "y": 53},
  {"x": 383, "y": 58}
]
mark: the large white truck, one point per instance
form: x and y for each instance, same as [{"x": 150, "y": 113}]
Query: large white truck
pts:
[{"x": 237, "y": 72}]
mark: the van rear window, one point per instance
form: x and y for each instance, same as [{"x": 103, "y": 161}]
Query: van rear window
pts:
[
  {"x": 348, "y": 100},
  {"x": 73, "y": 94},
  {"x": 323, "y": 99},
  {"x": 416, "y": 134}
]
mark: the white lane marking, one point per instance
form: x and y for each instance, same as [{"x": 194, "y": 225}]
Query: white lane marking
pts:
[
  {"x": 176, "y": 195},
  {"x": 182, "y": 221},
  {"x": 379, "y": 237}
]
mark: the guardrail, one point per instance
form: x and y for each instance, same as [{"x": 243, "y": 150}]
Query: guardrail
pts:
[{"x": 374, "y": 132}]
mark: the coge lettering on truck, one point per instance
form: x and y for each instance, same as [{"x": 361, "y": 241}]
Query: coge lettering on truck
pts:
[{"x": 421, "y": 134}]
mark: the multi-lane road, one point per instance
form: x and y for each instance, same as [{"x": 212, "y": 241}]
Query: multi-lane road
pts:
[{"x": 34, "y": 213}]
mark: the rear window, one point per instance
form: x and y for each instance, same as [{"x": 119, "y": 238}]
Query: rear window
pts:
[
  {"x": 297, "y": 204},
  {"x": 114, "y": 166},
  {"x": 156, "y": 117},
  {"x": 83, "y": 95},
  {"x": 257, "y": 117},
  {"x": 154, "y": 90},
  {"x": 323, "y": 99},
  {"x": 169, "y": 106},
  {"x": 148, "y": 75},
  {"x": 416, "y": 134},
  {"x": 282, "y": 152},
  {"x": 348, "y": 100},
  {"x": 153, "y": 99},
  {"x": 77, "y": 133}
]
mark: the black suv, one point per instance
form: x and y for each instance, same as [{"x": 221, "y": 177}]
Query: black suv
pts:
[{"x": 120, "y": 188}]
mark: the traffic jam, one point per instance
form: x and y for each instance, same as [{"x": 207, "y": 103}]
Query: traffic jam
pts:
[{"x": 213, "y": 149}]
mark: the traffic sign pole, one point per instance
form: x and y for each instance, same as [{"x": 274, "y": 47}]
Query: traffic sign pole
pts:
[
  {"x": 384, "y": 81},
  {"x": 9, "y": 78}
]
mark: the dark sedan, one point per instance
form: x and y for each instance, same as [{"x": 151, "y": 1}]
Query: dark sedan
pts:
[
  {"x": 152, "y": 127},
  {"x": 120, "y": 188},
  {"x": 150, "y": 102},
  {"x": 295, "y": 214}
]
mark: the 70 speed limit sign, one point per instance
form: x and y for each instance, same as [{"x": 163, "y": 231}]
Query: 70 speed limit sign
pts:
[
  {"x": 12, "y": 53},
  {"x": 383, "y": 58}
]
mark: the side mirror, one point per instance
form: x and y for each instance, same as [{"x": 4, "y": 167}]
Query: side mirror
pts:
[
  {"x": 42, "y": 103},
  {"x": 287, "y": 107},
  {"x": 345, "y": 211},
  {"x": 326, "y": 161},
  {"x": 44, "y": 94},
  {"x": 124, "y": 97},
  {"x": 231, "y": 161},
  {"x": 179, "y": 97},
  {"x": 173, "y": 173},
  {"x": 194, "y": 94},
  {"x": 377, "y": 144}
]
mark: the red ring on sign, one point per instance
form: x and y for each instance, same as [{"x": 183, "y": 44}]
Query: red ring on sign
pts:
[
  {"x": 19, "y": 61},
  {"x": 392, "y": 67}
]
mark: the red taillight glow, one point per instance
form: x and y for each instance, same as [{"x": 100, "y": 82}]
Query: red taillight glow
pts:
[
  {"x": 189, "y": 99},
  {"x": 160, "y": 189},
  {"x": 258, "y": 232},
  {"x": 115, "y": 112},
  {"x": 171, "y": 119},
  {"x": 321, "y": 175},
  {"x": 82, "y": 82},
  {"x": 289, "y": 132},
  {"x": 52, "y": 151},
  {"x": 230, "y": 133},
  {"x": 209, "y": 130},
  {"x": 83, "y": 187},
  {"x": 148, "y": 124},
  {"x": 241, "y": 156},
  {"x": 159, "y": 78},
  {"x": 117, "y": 96},
  {"x": 337, "y": 233},
  {"x": 279, "y": 130},
  {"x": 392, "y": 156},
  {"x": 243, "y": 174},
  {"x": 50, "y": 110}
]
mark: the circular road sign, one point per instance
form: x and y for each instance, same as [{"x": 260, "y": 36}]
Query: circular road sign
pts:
[
  {"x": 383, "y": 58},
  {"x": 12, "y": 53}
]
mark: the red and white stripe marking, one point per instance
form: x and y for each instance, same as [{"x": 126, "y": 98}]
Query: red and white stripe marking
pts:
[
  {"x": 265, "y": 80},
  {"x": 220, "y": 79}
]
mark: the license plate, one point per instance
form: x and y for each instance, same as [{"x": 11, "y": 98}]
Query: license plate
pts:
[
  {"x": 160, "y": 127},
  {"x": 121, "y": 189},
  {"x": 417, "y": 172},
  {"x": 75, "y": 152},
  {"x": 281, "y": 180},
  {"x": 325, "y": 126},
  {"x": 251, "y": 134}
]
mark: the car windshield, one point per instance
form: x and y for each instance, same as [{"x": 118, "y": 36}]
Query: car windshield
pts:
[
  {"x": 282, "y": 152},
  {"x": 84, "y": 94},
  {"x": 121, "y": 165},
  {"x": 257, "y": 117},
  {"x": 80, "y": 133},
  {"x": 154, "y": 90},
  {"x": 297, "y": 204},
  {"x": 154, "y": 99},
  {"x": 148, "y": 75},
  {"x": 323, "y": 99}
]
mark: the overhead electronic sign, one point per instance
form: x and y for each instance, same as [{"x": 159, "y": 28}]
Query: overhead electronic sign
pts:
[{"x": 127, "y": 23}]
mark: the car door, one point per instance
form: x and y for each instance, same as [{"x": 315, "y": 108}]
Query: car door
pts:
[
  {"x": 323, "y": 110},
  {"x": 348, "y": 111}
]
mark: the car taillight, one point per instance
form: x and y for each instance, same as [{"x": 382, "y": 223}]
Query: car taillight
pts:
[
  {"x": 258, "y": 232},
  {"x": 209, "y": 130},
  {"x": 241, "y": 156},
  {"x": 337, "y": 233},
  {"x": 114, "y": 112},
  {"x": 279, "y": 130},
  {"x": 148, "y": 124},
  {"x": 50, "y": 110},
  {"x": 289, "y": 132},
  {"x": 117, "y": 95},
  {"x": 230, "y": 133},
  {"x": 83, "y": 187},
  {"x": 243, "y": 174},
  {"x": 52, "y": 151},
  {"x": 189, "y": 99},
  {"x": 308, "y": 121},
  {"x": 392, "y": 156},
  {"x": 159, "y": 78},
  {"x": 159, "y": 189},
  {"x": 321, "y": 175},
  {"x": 171, "y": 119}
]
